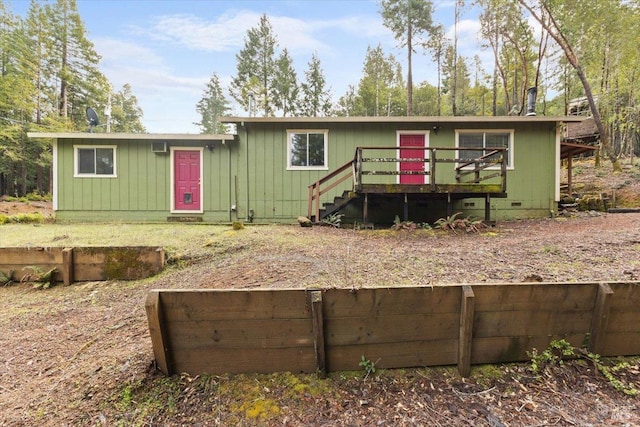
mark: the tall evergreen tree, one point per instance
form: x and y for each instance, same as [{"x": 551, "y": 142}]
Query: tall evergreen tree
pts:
[
  {"x": 211, "y": 107},
  {"x": 380, "y": 88},
  {"x": 316, "y": 97},
  {"x": 256, "y": 68},
  {"x": 285, "y": 85},
  {"x": 407, "y": 19},
  {"x": 126, "y": 114},
  {"x": 81, "y": 84},
  {"x": 438, "y": 44}
]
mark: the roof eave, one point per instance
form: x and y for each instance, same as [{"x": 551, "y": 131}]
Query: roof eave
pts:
[
  {"x": 406, "y": 119},
  {"x": 132, "y": 136}
]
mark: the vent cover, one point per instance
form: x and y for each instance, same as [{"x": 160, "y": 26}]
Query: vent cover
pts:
[{"x": 159, "y": 147}]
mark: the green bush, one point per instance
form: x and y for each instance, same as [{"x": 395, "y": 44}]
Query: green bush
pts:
[{"x": 22, "y": 218}]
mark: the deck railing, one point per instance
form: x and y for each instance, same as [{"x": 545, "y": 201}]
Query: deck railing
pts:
[
  {"x": 469, "y": 169},
  {"x": 468, "y": 166}
]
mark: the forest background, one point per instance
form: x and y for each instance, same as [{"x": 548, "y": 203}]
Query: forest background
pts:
[{"x": 581, "y": 55}]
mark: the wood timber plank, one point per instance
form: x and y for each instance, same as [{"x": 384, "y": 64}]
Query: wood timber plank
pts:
[
  {"x": 621, "y": 344},
  {"x": 235, "y": 304},
  {"x": 157, "y": 329},
  {"x": 477, "y": 189},
  {"x": 600, "y": 318},
  {"x": 241, "y": 333},
  {"x": 393, "y": 355},
  {"x": 467, "y": 310},
  {"x": 531, "y": 323},
  {"x": 391, "y": 329},
  {"x": 514, "y": 349},
  {"x": 240, "y": 360},
  {"x": 317, "y": 316},
  {"x": 626, "y": 296},
  {"x": 529, "y": 296},
  {"x": 341, "y": 303},
  {"x": 623, "y": 321}
]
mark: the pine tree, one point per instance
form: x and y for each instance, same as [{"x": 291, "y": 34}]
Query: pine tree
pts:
[
  {"x": 316, "y": 98},
  {"x": 211, "y": 107},
  {"x": 285, "y": 85},
  {"x": 256, "y": 68},
  {"x": 380, "y": 89},
  {"x": 407, "y": 19},
  {"x": 81, "y": 84},
  {"x": 126, "y": 114}
]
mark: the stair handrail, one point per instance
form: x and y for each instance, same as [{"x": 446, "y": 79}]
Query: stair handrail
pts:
[{"x": 319, "y": 188}]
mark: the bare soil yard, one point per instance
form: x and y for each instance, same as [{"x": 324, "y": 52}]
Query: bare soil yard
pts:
[{"x": 81, "y": 354}]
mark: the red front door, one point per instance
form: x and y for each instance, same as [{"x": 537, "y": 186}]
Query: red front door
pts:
[
  {"x": 417, "y": 166},
  {"x": 186, "y": 186}
]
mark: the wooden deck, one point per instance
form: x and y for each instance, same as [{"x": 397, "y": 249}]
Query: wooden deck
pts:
[{"x": 447, "y": 173}]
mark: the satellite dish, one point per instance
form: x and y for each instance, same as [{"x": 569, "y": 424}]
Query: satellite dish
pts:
[{"x": 92, "y": 118}]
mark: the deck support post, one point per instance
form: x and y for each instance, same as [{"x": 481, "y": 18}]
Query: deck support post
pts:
[
  {"x": 449, "y": 205},
  {"x": 406, "y": 207},
  {"x": 365, "y": 209},
  {"x": 318, "y": 333},
  {"x": 487, "y": 208}
]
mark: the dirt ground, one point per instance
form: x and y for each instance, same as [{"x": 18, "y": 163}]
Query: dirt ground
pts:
[{"x": 81, "y": 355}]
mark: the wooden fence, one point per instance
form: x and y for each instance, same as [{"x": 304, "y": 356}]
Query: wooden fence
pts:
[
  {"x": 82, "y": 263},
  {"x": 297, "y": 330}
]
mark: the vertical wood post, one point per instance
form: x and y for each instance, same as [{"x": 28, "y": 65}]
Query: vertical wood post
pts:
[
  {"x": 487, "y": 208},
  {"x": 467, "y": 310},
  {"x": 600, "y": 318},
  {"x": 67, "y": 266},
  {"x": 365, "y": 209},
  {"x": 406, "y": 208},
  {"x": 159, "y": 342},
  {"x": 432, "y": 169},
  {"x": 318, "y": 333}
]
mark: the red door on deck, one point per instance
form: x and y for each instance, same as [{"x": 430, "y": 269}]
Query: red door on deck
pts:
[
  {"x": 186, "y": 186},
  {"x": 409, "y": 140}
]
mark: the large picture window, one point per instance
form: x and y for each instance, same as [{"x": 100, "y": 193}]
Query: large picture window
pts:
[
  {"x": 485, "y": 139},
  {"x": 95, "y": 161},
  {"x": 307, "y": 149}
]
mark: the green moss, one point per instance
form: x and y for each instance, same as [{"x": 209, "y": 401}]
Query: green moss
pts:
[
  {"x": 123, "y": 263},
  {"x": 486, "y": 375}
]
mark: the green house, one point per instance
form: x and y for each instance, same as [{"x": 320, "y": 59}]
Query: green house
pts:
[{"x": 273, "y": 170}]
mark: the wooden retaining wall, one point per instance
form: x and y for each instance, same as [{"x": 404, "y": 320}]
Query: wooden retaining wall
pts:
[
  {"x": 83, "y": 263},
  {"x": 271, "y": 330}
]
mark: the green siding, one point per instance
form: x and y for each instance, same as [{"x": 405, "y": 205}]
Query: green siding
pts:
[
  {"x": 251, "y": 173},
  {"x": 141, "y": 190}
]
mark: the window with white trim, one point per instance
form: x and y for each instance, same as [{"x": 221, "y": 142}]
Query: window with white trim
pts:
[
  {"x": 498, "y": 138},
  {"x": 94, "y": 160},
  {"x": 307, "y": 149}
]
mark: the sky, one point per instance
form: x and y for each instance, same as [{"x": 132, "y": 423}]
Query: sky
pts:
[{"x": 168, "y": 50}]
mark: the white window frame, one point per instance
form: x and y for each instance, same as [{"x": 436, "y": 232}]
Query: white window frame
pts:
[
  {"x": 510, "y": 149},
  {"x": 325, "y": 132},
  {"x": 76, "y": 161}
]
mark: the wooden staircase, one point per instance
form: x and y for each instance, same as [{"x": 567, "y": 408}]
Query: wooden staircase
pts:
[{"x": 331, "y": 208}]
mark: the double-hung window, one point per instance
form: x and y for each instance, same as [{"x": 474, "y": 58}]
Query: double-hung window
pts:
[
  {"x": 95, "y": 161},
  {"x": 483, "y": 140},
  {"x": 307, "y": 149}
]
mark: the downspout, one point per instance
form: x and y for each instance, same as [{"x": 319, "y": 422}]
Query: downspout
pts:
[
  {"x": 230, "y": 174},
  {"x": 558, "y": 166},
  {"x": 54, "y": 175},
  {"x": 246, "y": 137}
]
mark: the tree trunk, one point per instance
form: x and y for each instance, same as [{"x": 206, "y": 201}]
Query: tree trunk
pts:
[
  {"x": 554, "y": 30},
  {"x": 409, "y": 74}
]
